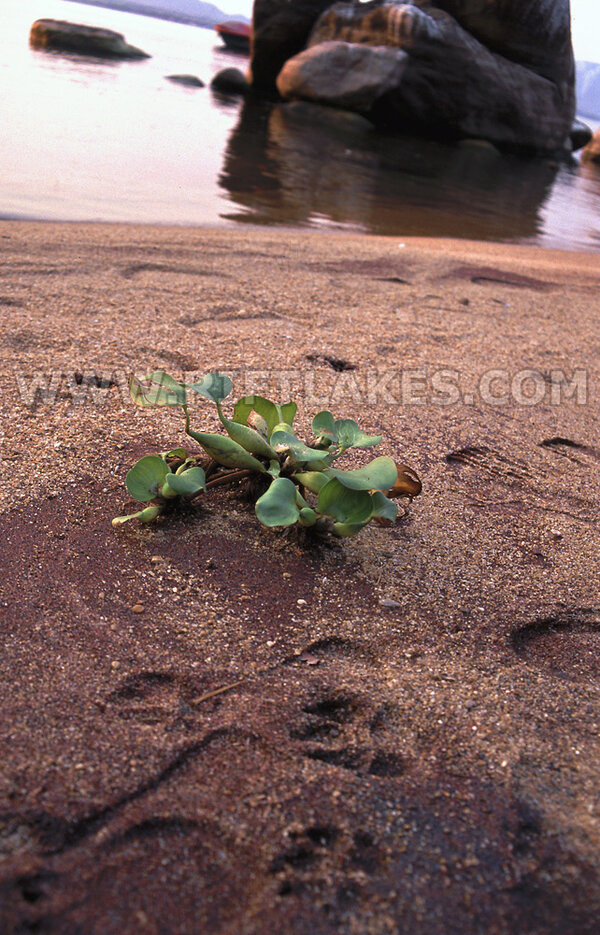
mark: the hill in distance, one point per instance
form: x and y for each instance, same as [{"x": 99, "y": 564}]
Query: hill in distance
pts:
[{"x": 194, "y": 12}]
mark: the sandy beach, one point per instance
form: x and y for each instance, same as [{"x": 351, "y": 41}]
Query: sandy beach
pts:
[{"x": 398, "y": 734}]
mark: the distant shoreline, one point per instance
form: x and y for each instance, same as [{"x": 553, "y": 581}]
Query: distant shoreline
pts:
[{"x": 205, "y": 23}]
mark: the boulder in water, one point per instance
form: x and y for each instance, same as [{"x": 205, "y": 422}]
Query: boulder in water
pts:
[
  {"x": 280, "y": 29},
  {"x": 501, "y": 70},
  {"x": 84, "y": 40}
]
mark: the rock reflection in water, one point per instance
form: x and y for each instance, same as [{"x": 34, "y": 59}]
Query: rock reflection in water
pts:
[{"x": 300, "y": 164}]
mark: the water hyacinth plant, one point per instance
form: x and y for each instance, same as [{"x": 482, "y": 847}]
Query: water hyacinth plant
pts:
[{"x": 295, "y": 484}]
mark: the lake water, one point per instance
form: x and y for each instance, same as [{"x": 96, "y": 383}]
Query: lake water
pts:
[{"x": 90, "y": 140}]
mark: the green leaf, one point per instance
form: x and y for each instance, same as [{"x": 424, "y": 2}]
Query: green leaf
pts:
[
  {"x": 300, "y": 501},
  {"x": 174, "y": 453},
  {"x": 214, "y": 386},
  {"x": 145, "y": 516},
  {"x": 264, "y": 407},
  {"x": 345, "y": 504},
  {"x": 320, "y": 466},
  {"x": 188, "y": 482},
  {"x": 256, "y": 421},
  {"x": 344, "y": 432},
  {"x": 380, "y": 474},
  {"x": 166, "y": 491},
  {"x": 159, "y": 390},
  {"x": 248, "y": 438},
  {"x": 343, "y": 530},
  {"x": 145, "y": 477},
  {"x": 308, "y": 517},
  {"x": 288, "y": 412},
  {"x": 312, "y": 480},
  {"x": 274, "y": 468},
  {"x": 277, "y": 507},
  {"x": 324, "y": 424},
  {"x": 349, "y": 435},
  {"x": 226, "y": 451},
  {"x": 150, "y": 513},
  {"x": 299, "y": 452},
  {"x": 283, "y": 427},
  {"x": 383, "y": 508},
  {"x": 271, "y": 412},
  {"x": 242, "y": 409},
  {"x": 187, "y": 464}
]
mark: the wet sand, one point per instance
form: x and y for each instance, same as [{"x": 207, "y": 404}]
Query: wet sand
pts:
[{"x": 415, "y": 747}]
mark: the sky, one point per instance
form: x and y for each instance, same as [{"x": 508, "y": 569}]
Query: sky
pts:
[
  {"x": 234, "y": 6},
  {"x": 585, "y": 24},
  {"x": 585, "y": 29}
]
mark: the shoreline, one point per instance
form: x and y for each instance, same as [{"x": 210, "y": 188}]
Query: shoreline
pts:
[
  {"x": 429, "y": 242},
  {"x": 498, "y": 246},
  {"x": 454, "y": 244}
]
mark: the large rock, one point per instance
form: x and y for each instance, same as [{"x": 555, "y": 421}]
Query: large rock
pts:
[
  {"x": 280, "y": 29},
  {"x": 86, "y": 40},
  {"x": 501, "y": 70},
  {"x": 355, "y": 76}
]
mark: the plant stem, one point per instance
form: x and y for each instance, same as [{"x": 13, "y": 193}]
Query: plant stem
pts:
[
  {"x": 228, "y": 478},
  {"x": 210, "y": 468}
]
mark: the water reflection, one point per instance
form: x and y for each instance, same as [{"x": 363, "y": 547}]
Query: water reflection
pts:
[
  {"x": 300, "y": 164},
  {"x": 78, "y": 67}
]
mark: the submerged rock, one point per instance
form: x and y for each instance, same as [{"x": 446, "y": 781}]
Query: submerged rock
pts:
[
  {"x": 189, "y": 81},
  {"x": 501, "y": 70},
  {"x": 85, "y": 40}
]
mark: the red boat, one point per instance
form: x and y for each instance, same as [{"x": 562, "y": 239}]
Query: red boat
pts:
[{"x": 235, "y": 35}]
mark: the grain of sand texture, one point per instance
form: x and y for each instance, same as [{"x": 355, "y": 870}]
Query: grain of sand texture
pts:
[{"x": 396, "y": 735}]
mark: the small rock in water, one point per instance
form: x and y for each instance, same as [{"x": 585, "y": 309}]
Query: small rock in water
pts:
[
  {"x": 386, "y": 602},
  {"x": 189, "y": 81},
  {"x": 581, "y": 135},
  {"x": 231, "y": 80}
]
